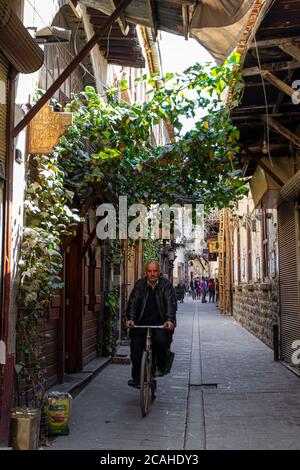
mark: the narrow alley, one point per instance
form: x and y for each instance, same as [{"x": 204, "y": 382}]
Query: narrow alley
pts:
[{"x": 224, "y": 392}]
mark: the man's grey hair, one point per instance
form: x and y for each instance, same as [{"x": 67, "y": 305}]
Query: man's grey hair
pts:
[{"x": 152, "y": 261}]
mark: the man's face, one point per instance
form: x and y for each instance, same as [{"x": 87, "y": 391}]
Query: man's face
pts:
[{"x": 152, "y": 272}]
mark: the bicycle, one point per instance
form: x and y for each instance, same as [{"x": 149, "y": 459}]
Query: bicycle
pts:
[{"x": 147, "y": 380}]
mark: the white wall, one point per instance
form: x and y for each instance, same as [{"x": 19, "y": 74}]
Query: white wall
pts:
[{"x": 245, "y": 214}]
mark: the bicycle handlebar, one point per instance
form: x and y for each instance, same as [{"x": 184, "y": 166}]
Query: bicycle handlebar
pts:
[{"x": 147, "y": 326}]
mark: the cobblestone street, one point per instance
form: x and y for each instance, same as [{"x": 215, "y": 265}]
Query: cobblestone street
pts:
[{"x": 224, "y": 392}]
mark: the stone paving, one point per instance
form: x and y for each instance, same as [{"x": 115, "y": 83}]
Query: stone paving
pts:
[{"x": 224, "y": 392}]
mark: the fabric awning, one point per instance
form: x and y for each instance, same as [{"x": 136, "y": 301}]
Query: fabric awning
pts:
[
  {"x": 16, "y": 43},
  {"x": 218, "y": 25}
]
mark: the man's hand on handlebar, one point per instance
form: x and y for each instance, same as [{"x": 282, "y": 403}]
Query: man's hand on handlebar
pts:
[
  {"x": 169, "y": 326},
  {"x": 129, "y": 323}
]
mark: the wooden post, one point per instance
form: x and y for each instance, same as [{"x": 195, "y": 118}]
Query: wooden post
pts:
[
  {"x": 152, "y": 18},
  {"x": 280, "y": 84},
  {"x": 124, "y": 26},
  {"x": 277, "y": 126},
  {"x": 291, "y": 49}
]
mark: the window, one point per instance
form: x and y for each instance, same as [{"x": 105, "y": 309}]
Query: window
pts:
[
  {"x": 249, "y": 251},
  {"x": 265, "y": 244},
  {"x": 273, "y": 264},
  {"x": 238, "y": 256},
  {"x": 257, "y": 268}
]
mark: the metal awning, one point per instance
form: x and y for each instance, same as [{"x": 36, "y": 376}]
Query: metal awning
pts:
[
  {"x": 115, "y": 47},
  {"x": 267, "y": 117},
  {"x": 216, "y": 24},
  {"x": 16, "y": 43}
]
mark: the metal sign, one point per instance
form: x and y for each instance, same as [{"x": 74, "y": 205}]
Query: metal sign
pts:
[{"x": 46, "y": 128}]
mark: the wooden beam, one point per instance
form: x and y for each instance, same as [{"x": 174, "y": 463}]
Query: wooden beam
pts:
[
  {"x": 274, "y": 42},
  {"x": 180, "y": 2},
  {"x": 124, "y": 26},
  {"x": 88, "y": 242},
  {"x": 71, "y": 67},
  {"x": 254, "y": 84},
  {"x": 254, "y": 108},
  {"x": 256, "y": 116},
  {"x": 256, "y": 158},
  {"x": 271, "y": 173},
  {"x": 291, "y": 49},
  {"x": 281, "y": 85},
  {"x": 120, "y": 39},
  {"x": 185, "y": 20},
  {"x": 73, "y": 7},
  {"x": 273, "y": 148},
  {"x": 272, "y": 67},
  {"x": 152, "y": 18},
  {"x": 280, "y": 96},
  {"x": 275, "y": 125}
]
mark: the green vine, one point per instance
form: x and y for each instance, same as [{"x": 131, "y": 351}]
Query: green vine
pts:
[
  {"x": 109, "y": 148},
  {"x": 110, "y": 145},
  {"x": 152, "y": 250},
  {"x": 48, "y": 218},
  {"x": 110, "y": 316}
]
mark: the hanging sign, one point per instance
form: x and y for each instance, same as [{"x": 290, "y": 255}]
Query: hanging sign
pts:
[{"x": 46, "y": 128}]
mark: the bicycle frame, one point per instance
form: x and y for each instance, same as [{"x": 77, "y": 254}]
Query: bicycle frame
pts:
[{"x": 147, "y": 382}]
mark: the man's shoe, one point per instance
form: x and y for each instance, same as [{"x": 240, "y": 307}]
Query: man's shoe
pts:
[
  {"x": 134, "y": 383},
  {"x": 161, "y": 373}
]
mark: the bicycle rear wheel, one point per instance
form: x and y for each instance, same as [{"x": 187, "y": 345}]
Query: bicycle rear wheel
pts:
[{"x": 145, "y": 384}]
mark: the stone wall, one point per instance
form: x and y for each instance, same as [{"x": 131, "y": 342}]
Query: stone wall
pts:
[{"x": 256, "y": 308}]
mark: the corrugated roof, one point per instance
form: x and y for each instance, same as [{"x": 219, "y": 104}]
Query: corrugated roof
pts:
[
  {"x": 115, "y": 47},
  {"x": 168, "y": 13},
  {"x": 216, "y": 24}
]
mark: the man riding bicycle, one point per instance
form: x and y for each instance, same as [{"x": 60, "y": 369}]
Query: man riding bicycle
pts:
[{"x": 151, "y": 302}]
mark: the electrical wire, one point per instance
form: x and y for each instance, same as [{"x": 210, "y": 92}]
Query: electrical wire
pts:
[
  {"x": 266, "y": 101},
  {"x": 107, "y": 48}
]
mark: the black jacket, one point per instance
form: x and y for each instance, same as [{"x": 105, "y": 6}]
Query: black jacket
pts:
[{"x": 165, "y": 299}]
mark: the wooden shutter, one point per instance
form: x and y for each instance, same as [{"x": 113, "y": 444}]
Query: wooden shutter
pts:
[
  {"x": 3, "y": 112},
  {"x": 288, "y": 274}
]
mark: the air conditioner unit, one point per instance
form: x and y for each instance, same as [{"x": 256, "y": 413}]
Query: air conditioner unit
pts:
[{"x": 53, "y": 35}]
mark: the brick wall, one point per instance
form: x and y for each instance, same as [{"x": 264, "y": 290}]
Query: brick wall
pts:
[{"x": 257, "y": 309}]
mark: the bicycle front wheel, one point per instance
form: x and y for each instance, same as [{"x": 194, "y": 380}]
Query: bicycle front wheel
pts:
[{"x": 145, "y": 384}]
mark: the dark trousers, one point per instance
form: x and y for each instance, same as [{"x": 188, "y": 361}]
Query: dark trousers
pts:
[
  {"x": 161, "y": 340},
  {"x": 212, "y": 295}
]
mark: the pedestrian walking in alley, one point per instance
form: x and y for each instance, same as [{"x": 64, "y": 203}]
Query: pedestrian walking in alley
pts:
[
  {"x": 193, "y": 289},
  {"x": 180, "y": 291},
  {"x": 211, "y": 290},
  {"x": 197, "y": 288},
  {"x": 151, "y": 302},
  {"x": 203, "y": 289}
]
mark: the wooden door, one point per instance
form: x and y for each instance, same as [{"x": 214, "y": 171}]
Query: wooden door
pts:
[{"x": 74, "y": 305}]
